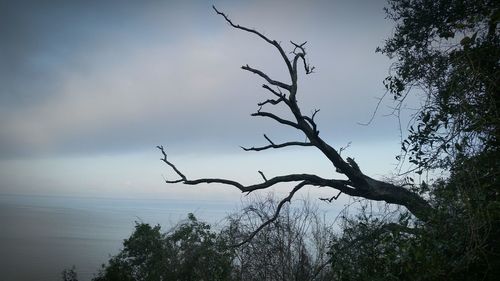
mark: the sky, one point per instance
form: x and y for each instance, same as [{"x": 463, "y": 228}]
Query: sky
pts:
[{"x": 88, "y": 89}]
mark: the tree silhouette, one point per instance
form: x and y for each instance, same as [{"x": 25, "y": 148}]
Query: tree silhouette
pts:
[{"x": 357, "y": 184}]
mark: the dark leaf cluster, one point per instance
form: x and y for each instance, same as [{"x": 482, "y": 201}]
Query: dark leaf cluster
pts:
[
  {"x": 191, "y": 251},
  {"x": 449, "y": 51}
]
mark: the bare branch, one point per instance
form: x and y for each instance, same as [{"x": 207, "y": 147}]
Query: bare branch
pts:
[
  {"x": 271, "y": 101},
  {"x": 321, "y": 267},
  {"x": 269, "y": 80},
  {"x": 281, "y": 145},
  {"x": 331, "y": 198},
  {"x": 293, "y": 143},
  {"x": 169, "y": 181},
  {"x": 263, "y": 176},
  {"x": 272, "y": 42},
  {"x": 344, "y": 147},
  {"x": 374, "y": 111},
  {"x": 276, "y": 214},
  {"x": 242, "y": 27},
  {"x": 297, "y": 46},
  {"x": 164, "y": 159},
  {"x": 268, "y": 139},
  {"x": 311, "y": 120},
  {"x": 280, "y": 120},
  {"x": 174, "y": 181},
  {"x": 307, "y": 68},
  {"x": 301, "y": 55},
  {"x": 314, "y": 114},
  {"x": 342, "y": 185},
  {"x": 278, "y": 94},
  {"x": 273, "y": 145}
]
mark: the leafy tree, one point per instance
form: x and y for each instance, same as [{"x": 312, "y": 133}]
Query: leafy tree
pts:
[
  {"x": 449, "y": 51},
  {"x": 191, "y": 251},
  {"x": 201, "y": 253},
  {"x": 294, "y": 246},
  {"x": 69, "y": 274},
  {"x": 460, "y": 245}
]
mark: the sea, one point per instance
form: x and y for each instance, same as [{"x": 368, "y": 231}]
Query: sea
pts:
[{"x": 40, "y": 236}]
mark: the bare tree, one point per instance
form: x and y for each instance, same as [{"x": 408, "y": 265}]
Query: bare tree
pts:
[
  {"x": 293, "y": 247},
  {"x": 357, "y": 183}
]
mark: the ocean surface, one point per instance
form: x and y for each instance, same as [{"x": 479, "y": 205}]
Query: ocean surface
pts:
[{"x": 42, "y": 235}]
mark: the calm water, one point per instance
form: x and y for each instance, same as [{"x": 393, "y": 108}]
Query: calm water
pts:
[{"x": 40, "y": 236}]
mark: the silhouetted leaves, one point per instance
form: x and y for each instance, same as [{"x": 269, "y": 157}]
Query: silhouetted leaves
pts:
[
  {"x": 191, "y": 251},
  {"x": 449, "y": 50}
]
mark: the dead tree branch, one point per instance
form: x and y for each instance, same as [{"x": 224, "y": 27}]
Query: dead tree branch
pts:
[
  {"x": 276, "y": 214},
  {"x": 357, "y": 184},
  {"x": 278, "y": 119},
  {"x": 281, "y": 145},
  {"x": 263, "y": 176},
  {"x": 278, "y": 94},
  {"x": 329, "y": 200},
  {"x": 343, "y": 185},
  {"x": 272, "y": 42},
  {"x": 273, "y": 145},
  {"x": 269, "y": 80}
]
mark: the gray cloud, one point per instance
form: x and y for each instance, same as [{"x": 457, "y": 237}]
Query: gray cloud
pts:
[{"x": 80, "y": 77}]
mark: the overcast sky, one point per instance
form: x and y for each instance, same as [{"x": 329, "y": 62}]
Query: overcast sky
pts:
[{"x": 89, "y": 88}]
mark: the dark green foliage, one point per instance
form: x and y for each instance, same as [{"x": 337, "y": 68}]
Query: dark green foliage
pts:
[
  {"x": 461, "y": 242},
  {"x": 294, "y": 247},
  {"x": 69, "y": 274},
  {"x": 366, "y": 249},
  {"x": 448, "y": 50},
  {"x": 202, "y": 254},
  {"x": 191, "y": 251},
  {"x": 468, "y": 205}
]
